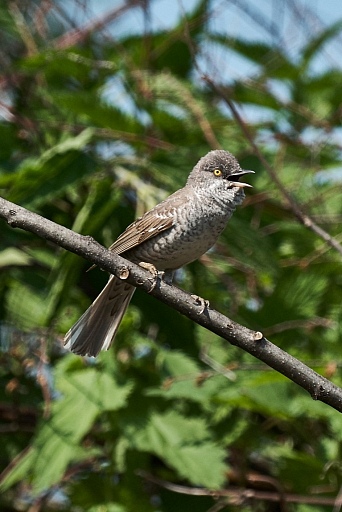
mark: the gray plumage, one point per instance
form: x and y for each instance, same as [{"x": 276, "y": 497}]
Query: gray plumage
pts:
[{"x": 175, "y": 232}]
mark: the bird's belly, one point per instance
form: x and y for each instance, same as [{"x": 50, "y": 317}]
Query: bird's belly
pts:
[{"x": 178, "y": 246}]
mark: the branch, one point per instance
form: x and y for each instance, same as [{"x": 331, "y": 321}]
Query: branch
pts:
[
  {"x": 78, "y": 35},
  {"x": 241, "y": 495},
  {"x": 305, "y": 219},
  {"x": 250, "y": 341}
]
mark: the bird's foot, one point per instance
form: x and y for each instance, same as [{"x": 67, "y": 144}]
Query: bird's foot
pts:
[
  {"x": 167, "y": 276},
  {"x": 152, "y": 269},
  {"x": 164, "y": 275},
  {"x": 204, "y": 304}
]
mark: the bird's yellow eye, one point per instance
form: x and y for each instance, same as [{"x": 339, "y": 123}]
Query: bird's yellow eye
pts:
[{"x": 217, "y": 172}]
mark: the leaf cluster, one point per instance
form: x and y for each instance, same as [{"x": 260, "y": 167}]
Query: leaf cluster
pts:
[{"x": 97, "y": 131}]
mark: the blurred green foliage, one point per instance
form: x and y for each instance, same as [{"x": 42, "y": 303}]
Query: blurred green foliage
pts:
[{"x": 94, "y": 133}]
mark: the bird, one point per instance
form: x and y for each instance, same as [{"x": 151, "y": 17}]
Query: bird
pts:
[{"x": 174, "y": 233}]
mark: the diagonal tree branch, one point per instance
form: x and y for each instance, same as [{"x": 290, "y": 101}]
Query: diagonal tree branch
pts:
[
  {"x": 248, "y": 340},
  {"x": 304, "y": 218}
]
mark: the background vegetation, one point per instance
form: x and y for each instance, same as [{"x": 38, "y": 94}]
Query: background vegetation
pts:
[{"x": 102, "y": 117}]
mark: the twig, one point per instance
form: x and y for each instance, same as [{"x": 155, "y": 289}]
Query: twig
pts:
[
  {"x": 252, "y": 342},
  {"x": 300, "y": 323},
  {"x": 240, "y": 495},
  {"x": 305, "y": 219},
  {"x": 78, "y": 35}
]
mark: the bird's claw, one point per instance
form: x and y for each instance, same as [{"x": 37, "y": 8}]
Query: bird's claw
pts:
[
  {"x": 155, "y": 273},
  {"x": 164, "y": 275},
  {"x": 204, "y": 303}
]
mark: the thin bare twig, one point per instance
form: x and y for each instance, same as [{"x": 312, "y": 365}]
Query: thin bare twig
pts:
[
  {"x": 299, "y": 324},
  {"x": 305, "y": 219},
  {"x": 240, "y": 495},
  {"x": 78, "y": 35}
]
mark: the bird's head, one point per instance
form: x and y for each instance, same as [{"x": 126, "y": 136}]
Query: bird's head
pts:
[{"x": 218, "y": 165}]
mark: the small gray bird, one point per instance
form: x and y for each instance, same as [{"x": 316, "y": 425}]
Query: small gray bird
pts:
[{"x": 175, "y": 232}]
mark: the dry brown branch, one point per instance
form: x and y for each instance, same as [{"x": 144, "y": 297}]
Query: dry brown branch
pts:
[
  {"x": 241, "y": 496},
  {"x": 246, "y": 339}
]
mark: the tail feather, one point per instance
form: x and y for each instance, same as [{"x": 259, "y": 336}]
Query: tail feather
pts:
[{"x": 96, "y": 328}]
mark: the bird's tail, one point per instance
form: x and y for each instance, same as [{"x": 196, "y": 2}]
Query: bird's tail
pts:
[{"x": 96, "y": 328}]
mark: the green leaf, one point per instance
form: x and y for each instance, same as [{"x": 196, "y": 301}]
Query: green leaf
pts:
[
  {"x": 315, "y": 44},
  {"x": 270, "y": 58},
  {"x": 182, "y": 443},
  {"x": 15, "y": 257},
  {"x": 85, "y": 396},
  {"x": 41, "y": 179},
  {"x": 202, "y": 464},
  {"x": 269, "y": 395},
  {"x": 26, "y": 306},
  {"x": 176, "y": 364},
  {"x": 300, "y": 471}
]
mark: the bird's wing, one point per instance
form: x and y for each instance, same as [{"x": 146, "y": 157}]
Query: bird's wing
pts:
[{"x": 160, "y": 218}]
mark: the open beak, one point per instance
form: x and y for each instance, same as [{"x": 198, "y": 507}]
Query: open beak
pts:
[{"x": 236, "y": 176}]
